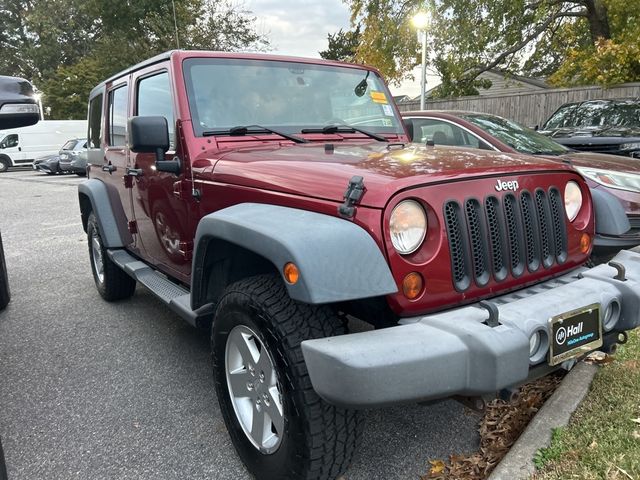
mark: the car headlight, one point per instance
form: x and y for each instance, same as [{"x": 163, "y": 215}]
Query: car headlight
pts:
[
  {"x": 572, "y": 200},
  {"x": 630, "y": 146},
  {"x": 608, "y": 178},
  {"x": 408, "y": 226}
]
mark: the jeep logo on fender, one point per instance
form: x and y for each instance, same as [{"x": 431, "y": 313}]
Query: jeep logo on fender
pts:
[{"x": 501, "y": 186}]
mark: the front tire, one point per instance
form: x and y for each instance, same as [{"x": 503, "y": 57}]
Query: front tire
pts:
[
  {"x": 112, "y": 283},
  {"x": 279, "y": 426},
  {"x": 4, "y": 164}
]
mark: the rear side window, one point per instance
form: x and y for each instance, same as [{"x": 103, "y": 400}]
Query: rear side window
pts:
[
  {"x": 70, "y": 145},
  {"x": 95, "y": 121},
  {"x": 118, "y": 116},
  {"x": 154, "y": 99}
]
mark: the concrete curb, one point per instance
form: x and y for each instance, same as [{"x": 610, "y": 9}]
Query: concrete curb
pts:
[{"x": 556, "y": 412}]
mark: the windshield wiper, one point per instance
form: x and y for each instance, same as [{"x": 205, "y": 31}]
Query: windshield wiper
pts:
[
  {"x": 250, "y": 130},
  {"x": 344, "y": 128}
]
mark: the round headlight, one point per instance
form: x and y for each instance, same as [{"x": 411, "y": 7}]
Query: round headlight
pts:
[
  {"x": 408, "y": 226},
  {"x": 572, "y": 200}
]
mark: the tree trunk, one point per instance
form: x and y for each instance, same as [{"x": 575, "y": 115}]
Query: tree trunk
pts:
[{"x": 598, "y": 20}]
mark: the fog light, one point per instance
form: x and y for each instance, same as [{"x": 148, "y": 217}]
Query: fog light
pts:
[
  {"x": 585, "y": 243},
  {"x": 611, "y": 315},
  {"x": 291, "y": 273},
  {"x": 412, "y": 285}
]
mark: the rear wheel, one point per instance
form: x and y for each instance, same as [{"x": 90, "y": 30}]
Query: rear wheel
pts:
[
  {"x": 5, "y": 294},
  {"x": 278, "y": 424},
  {"x": 112, "y": 282}
]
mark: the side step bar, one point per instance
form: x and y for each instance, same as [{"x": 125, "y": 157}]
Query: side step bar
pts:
[{"x": 176, "y": 297}]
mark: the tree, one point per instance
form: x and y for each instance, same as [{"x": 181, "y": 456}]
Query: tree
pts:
[
  {"x": 521, "y": 36},
  {"x": 342, "y": 45},
  {"x": 67, "y": 46}
]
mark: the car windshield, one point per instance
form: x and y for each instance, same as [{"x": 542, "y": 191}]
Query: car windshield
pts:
[
  {"x": 598, "y": 114},
  {"x": 285, "y": 96},
  {"x": 520, "y": 138},
  {"x": 69, "y": 145}
]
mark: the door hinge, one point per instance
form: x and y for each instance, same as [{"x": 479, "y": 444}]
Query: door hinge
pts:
[
  {"x": 128, "y": 181},
  {"x": 133, "y": 226}
]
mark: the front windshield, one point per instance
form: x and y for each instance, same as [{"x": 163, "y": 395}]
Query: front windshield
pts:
[
  {"x": 601, "y": 114},
  {"x": 520, "y": 138},
  {"x": 288, "y": 96}
]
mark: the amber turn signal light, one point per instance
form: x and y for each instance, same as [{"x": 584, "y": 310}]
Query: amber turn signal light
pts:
[
  {"x": 412, "y": 285},
  {"x": 585, "y": 242},
  {"x": 291, "y": 273}
]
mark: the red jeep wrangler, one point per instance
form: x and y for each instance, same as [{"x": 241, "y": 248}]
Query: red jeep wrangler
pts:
[{"x": 270, "y": 198}]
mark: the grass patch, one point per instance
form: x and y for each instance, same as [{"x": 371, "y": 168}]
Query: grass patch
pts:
[{"x": 602, "y": 440}]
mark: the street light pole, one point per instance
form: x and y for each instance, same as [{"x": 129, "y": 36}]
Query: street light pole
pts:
[
  {"x": 423, "y": 82},
  {"x": 421, "y": 22}
]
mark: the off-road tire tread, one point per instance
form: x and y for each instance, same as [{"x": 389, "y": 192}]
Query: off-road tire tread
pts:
[
  {"x": 117, "y": 284},
  {"x": 333, "y": 432},
  {"x": 5, "y": 293}
]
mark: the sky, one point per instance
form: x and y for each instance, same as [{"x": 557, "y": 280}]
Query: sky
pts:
[{"x": 300, "y": 28}]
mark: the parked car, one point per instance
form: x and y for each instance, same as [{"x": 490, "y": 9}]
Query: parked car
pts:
[
  {"x": 20, "y": 146},
  {"x": 17, "y": 108},
  {"x": 49, "y": 164},
  {"x": 268, "y": 197},
  {"x": 73, "y": 157},
  {"x": 605, "y": 126},
  {"x": 615, "y": 175}
]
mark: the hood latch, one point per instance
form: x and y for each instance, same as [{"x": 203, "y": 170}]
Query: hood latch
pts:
[{"x": 352, "y": 195}]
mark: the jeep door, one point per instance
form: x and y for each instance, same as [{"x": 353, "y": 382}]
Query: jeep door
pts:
[
  {"x": 107, "y": 152},
  {"x": 161, "y": 211}
]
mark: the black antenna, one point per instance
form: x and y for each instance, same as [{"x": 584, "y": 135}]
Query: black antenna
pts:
[{"x": 175, "y": 23}]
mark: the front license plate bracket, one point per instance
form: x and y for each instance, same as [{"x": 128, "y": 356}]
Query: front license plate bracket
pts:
[{"x": 574, "y": 333}]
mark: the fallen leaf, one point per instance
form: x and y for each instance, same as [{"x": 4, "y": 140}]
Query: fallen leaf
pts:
[
  {"x": 437, "y": 467},
  {"x": 636, "y": 434},
  {"x": 636, "y": 420}
]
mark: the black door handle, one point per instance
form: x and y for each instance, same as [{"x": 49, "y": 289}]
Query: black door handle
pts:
[
  {"x": 134, "y": 172},
  {"x": 109, "y": 168}
]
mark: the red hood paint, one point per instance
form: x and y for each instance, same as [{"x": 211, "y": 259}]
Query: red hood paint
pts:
[{"x": 314, "y": 170}]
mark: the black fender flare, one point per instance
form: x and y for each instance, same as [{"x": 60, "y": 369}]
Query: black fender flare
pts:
[
  {"x": 337, "y": 259},
  {"x": 104, "y": 201}
]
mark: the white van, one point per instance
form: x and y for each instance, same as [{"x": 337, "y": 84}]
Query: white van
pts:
[{"x": 20, "y": 146}]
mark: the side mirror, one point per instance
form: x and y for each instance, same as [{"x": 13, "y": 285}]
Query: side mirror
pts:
[
  {"x": 18, "y": 106},
  {"x": 151, "y": 135}
]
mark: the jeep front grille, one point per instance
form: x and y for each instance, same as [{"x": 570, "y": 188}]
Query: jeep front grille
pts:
[{"x": 503, "y": 236}]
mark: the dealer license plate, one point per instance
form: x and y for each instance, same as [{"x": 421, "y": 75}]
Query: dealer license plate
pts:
[{"x": 575, "y": 333}]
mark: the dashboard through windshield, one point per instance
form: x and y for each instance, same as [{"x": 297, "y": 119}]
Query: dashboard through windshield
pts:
[{"x": 288, "y": 96}]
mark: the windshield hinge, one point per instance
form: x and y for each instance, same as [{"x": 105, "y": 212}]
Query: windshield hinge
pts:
[{"x": 352, "y": 195}]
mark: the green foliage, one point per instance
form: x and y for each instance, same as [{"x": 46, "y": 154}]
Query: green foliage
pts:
[
  {"x": 584, "y": 41},
  {"x": 608, "y": 61},
  {"x": 67, "y": 46},
  {"x": 342, "y": 45}
]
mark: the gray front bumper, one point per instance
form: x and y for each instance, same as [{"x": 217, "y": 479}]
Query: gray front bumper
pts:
[{"x": 455, "y": 352}]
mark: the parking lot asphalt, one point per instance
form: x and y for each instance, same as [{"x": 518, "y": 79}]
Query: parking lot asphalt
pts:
[{"x": 97, "y": 390}]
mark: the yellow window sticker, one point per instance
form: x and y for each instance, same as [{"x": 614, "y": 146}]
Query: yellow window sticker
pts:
[{"x": 378, "y": 97}]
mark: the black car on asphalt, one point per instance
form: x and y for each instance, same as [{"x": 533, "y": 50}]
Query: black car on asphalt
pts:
[
  {"x": 604, "y": 126},
  {"x": 48, "y": 164}
]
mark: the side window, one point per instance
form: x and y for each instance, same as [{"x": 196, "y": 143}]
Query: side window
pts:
[
  {"x": 9, "y": 141},
  {"x": 154, "y": 99},
  {"x": 118, "y": 116},
  {"x": 445, "y": 133},
  {"x": 95, "y": 121}
]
